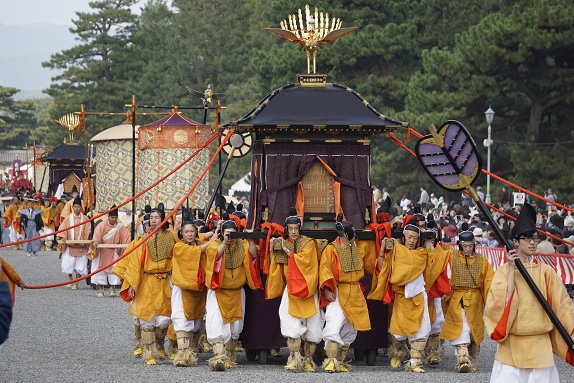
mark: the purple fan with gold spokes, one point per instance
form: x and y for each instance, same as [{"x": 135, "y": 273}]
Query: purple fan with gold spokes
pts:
[{"x": 449, "y": 156}]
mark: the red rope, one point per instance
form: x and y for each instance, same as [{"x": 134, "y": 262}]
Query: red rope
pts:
[
  {"x": 528, "y": 191},
  {"x": 398, "y": 142},
  {"x": 506, "y": 215},
  {"x": 121, "y": 204},
  {"x": 564, "y": 207},
  {"x": 148, "y": 236}
]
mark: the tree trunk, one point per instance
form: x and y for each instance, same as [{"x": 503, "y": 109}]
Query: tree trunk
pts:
[{"x": 534, "y": 122}]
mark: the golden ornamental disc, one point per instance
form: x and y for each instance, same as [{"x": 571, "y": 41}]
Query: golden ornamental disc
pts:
[
  {"x": 147, "y": 137},
  {"x": 180, "y": 136}
]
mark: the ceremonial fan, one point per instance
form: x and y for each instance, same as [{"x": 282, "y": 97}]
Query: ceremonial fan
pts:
[{"x": 450, "y": 157}]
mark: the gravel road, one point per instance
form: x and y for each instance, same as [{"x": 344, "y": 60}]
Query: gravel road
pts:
[{"x": 61, "y": 335}]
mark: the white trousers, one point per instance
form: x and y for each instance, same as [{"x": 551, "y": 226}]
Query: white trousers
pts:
[
  {"x": 502, "y": 373},
  {"x": 15, "y": 236},
  {"x": 309, "y": 329},
  {"x": 71, "y": 264},
  {"x": 338, "y": 329},
  {"x": 424, "y": 330},
  {"x": 464, "y": 337},
  {"x": 214, "y": 326},
  {"x": 436, "y": 326},
  {"x": 161, "y": 321},
  {"x": 47, "y": 230},
  {"x": 103, "y": 278},
  {"x": 180, "y": 322}
]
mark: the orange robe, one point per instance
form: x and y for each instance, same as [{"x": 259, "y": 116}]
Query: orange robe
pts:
[
  {"x": 436, "y": 279},
  {"x": 11, "y": 217},
  {"x": 49, "y": 216},
  {"x": 227, "y": 283},
  {"x": 346, "y": 284},
  {"x": 300, "y": 275},
  {"x": 148, "y": 278},
  {"x": 188, "y": 264},
  {"x": 526, "y": 337},
  {"x": 11, "y": 276},
  {"x": 400, "y": 267},
  {"x": 472, "y": 299}
]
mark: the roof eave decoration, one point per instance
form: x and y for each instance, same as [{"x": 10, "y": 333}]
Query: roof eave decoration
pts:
[{"x": 299, "y": 108}]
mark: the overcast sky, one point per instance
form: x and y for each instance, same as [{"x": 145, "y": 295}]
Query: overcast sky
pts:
[{"x": 14, "y": 12}]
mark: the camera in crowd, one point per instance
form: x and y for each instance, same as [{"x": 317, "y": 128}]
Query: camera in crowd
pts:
[{"x": 428, "y": 234}]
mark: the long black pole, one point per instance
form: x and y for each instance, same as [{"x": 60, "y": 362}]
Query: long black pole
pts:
[{"x": 509, "y": 246}]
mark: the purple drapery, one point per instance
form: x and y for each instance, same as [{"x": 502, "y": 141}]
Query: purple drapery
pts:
[{"x": 282, "y": 165}]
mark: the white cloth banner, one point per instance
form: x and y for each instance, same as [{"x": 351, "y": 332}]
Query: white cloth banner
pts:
[{"x": 563, "y": 264}]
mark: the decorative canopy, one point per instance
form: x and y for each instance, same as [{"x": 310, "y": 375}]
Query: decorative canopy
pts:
[
  {"x": 173, "y": 131},
  {"x": 302, "y": 108}
]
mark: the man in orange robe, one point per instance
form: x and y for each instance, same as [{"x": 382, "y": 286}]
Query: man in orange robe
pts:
[
  {"x": 400, "y": 279},
  {"x": 230, "y": 264},
  {"x": 188, "y": 293},
  {"x": 146, "y": 284},
  {"x": 12, "y": 221},
  {"x": 293, "y": 275},
  {"x": 470, "y": 281},
  {"x": 9, "y": 275},
  {"x": 513, "y": 317},
  {"x": 343, "y": 264}
]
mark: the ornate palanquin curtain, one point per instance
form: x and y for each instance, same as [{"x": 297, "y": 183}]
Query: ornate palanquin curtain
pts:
[{"x": 283, "y": 165}]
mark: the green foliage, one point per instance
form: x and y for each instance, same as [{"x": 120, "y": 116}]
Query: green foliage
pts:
[
  {"x": 92, "y": 71},
  {"x": 423, "y": 62},
  {"x": 17, "y": 120}
]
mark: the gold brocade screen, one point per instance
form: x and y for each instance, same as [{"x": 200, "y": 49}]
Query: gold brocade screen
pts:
[{"x": 318, "y": 186}]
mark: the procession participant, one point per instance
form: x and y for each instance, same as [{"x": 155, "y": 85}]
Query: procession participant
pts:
[
  {"x": 293, "y": 275},
  {"x": 470, "y": 281},
  {"x": 515, "y": 319},
  {"x": 74, "y": 255},
  {"x": 230, "y": 264},
  {"x": 49, "y": 221},
  {"x": 204, "y": 234},
  {"x": 60, "y": 208},
  {"x": 11, "y": 277},
  {"x": 12, "y": 222},
  {"x": 188, "y": 293},
  {"x": 5, "y": 230},
  {"x": 400, "y": 279},
  {"x": 110, "y": 232},
  {"x": 146, "y": 283},
  {"x": 31, "y": 222},
  {"x": 68, "y": 207},
  {"x": 343, "y": 263},
  {"x": 120, "y": 269},
  {"x": 437, "y": 287}
]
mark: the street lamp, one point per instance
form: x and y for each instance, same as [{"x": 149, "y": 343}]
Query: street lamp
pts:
[{"x": 489, "y": 114}]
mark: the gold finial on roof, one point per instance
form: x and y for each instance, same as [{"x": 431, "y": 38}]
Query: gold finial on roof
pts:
[
  {"x": 317, "y": 31},
  {"x": 70, "y": 121}
]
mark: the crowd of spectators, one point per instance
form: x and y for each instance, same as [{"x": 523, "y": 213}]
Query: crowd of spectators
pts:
[{"x": 450, "y": 218}]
